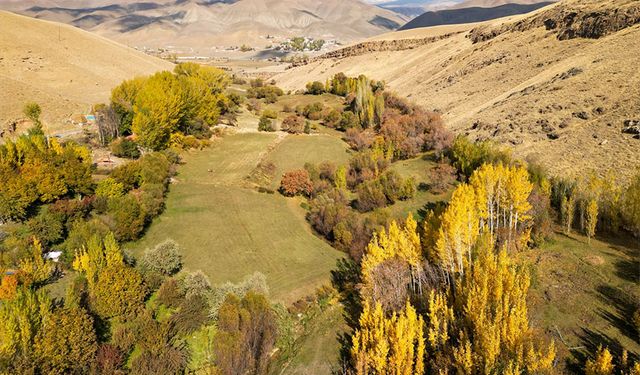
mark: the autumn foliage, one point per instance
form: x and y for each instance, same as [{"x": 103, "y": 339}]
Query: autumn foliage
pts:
[{"x": 296, "y": 182}]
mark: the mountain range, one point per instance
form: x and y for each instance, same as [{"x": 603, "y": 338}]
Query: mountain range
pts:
[{"x": 203, "y": 24}]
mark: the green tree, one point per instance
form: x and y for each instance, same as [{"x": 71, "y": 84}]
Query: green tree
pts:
[
  {"x": 266, "y": 124},
  {"x": 123, "y": 98},
  {"x": 164, "y": 258},
  {"x": 33, "y": 111},
  {"x": 21, "y": 319},
  {"x": 119, "y": 291},
  {"x": 247, "y": 332},
  {"x": 591, "y": 218},
  {"x": 160, "y": 106},
  {"x": 66, "y": 343}
]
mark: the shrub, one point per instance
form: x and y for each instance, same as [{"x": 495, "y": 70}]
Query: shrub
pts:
[
  {"x": 441, "y": 177},
  {"x": 192, "y": 313},
  {"x": 195, "y": 284},
  {"x": 118, "y": 292},
  {"x": 128, "y": 217},
  {"x": 254, "y": 105},
  {"x": 327, "y": 210},
  {"x": 269, "y": 93},
  {"x": 295, "y": 183},
  {"x": 170, "y": 294},
  {"x": 164, "y": 258},
  {"x": 348, "y": 120},
  {"x": 359, "y": 139},
  {"x": 313, "y": 111},
  {"x": 315, "y": 88},
  {"x": 266, "y": 125},
  {"x": 109, "y": 360},
  {"x": 270, "y": 114},
  {"x": 293, "y": 124},
  {"x": 408, "y": 189},
  {"x": 125, "y": 148},
  {"x": 256, "y": 282},
  {"x": 392, "y": 185},
  {"x": 109, "y": 188},
  {"x": 371, "y": 196},
  {"x": 47, "y": 226},
  {"x": 332, "y": 119}
]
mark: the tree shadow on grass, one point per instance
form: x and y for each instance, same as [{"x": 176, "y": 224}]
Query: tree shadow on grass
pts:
[
  {"x": 437, "y": 207},
  {"x": 346, "y": 278},
  {"x": 624, "y": 306},
  {"x": 628, "y": 270},
  {"x": 591, "y": 341}
]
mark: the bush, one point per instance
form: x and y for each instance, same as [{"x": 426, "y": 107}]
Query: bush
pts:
[
  {"x": 254, "y": 105},
  {"x": 441, "y": 177},
  {"x": 47, "y": 226},
  {"x": 293, "y": 124},
  {"x": 109, "y": 188},
  {"x": 170, "y": 294},
  {"x": 270, "y": 114},
  {"x": 195, "y": 284},
  {"x": 164, "y": 258},
  {"x": 296, "y": 182},
  {"x": 269, "y": 93},
  {"x": 128, "y": 217},
  {"x": 349, "y": 120},
  {"x": 359, "y": 139},
  {"x": 371, "y": 196},
  {"x": 315, "y": 88},
  {"x": 313, "y": 111},
  {"x": 191, "y": 315},
  {"x": 392, "y": 185},
  {"x": 332, "y": 119},
  {"x": 125, "y": 148},
  {"x": 266, "y": 125}
]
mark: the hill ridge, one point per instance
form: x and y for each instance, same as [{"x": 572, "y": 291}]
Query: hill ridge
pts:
[{"x": 63, "y": 68}]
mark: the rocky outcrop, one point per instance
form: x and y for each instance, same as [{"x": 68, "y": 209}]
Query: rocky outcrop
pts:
[
  {"x": 632, "y": 127},
  {"x": 569, "y": 20},
  {"x": 376, "y": 46}
]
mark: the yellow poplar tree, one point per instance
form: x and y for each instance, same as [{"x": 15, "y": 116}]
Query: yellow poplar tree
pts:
[
  {"x": 402, "y": 243},
  {"x": 459, "y": 230},
  {"x": 602, "y": 364},
  {"x": 591, "y": 219},
  {"x": 392, "y": 345},
  {"x": 492, "y": 300}
]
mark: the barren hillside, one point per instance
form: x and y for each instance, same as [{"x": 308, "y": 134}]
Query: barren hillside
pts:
[
  {"x": 198, "y": 26},
  {"x": 62, "y": 68},
  {"x": 557, "y": 84}
]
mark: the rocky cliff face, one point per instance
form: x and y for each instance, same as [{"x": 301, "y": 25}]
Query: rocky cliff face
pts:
[
  {"x": 364, "y": 48},
  {"x": 573, "y": 19}
]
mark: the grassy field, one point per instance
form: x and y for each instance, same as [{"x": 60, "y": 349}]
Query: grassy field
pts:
[
  {"x": 583, "y": 295},
  {"x": 318, "y": 352},
  {"x": 294, "y": 151},
  {"x": 418, "y": 168},
  {"x": 229, "y": 231}
]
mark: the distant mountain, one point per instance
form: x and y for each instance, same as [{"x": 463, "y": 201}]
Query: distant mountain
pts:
[
  {"x": 414, "y": 8},
  {"x": 492, "y": 3},
  {"x": 469, "y": 15},
  {"x": 202, "y": 24}
]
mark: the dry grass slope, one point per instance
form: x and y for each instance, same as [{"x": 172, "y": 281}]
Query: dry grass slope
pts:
[
  {"x": 61, "y": 67},
  {"x": 561, "y": 101}
]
